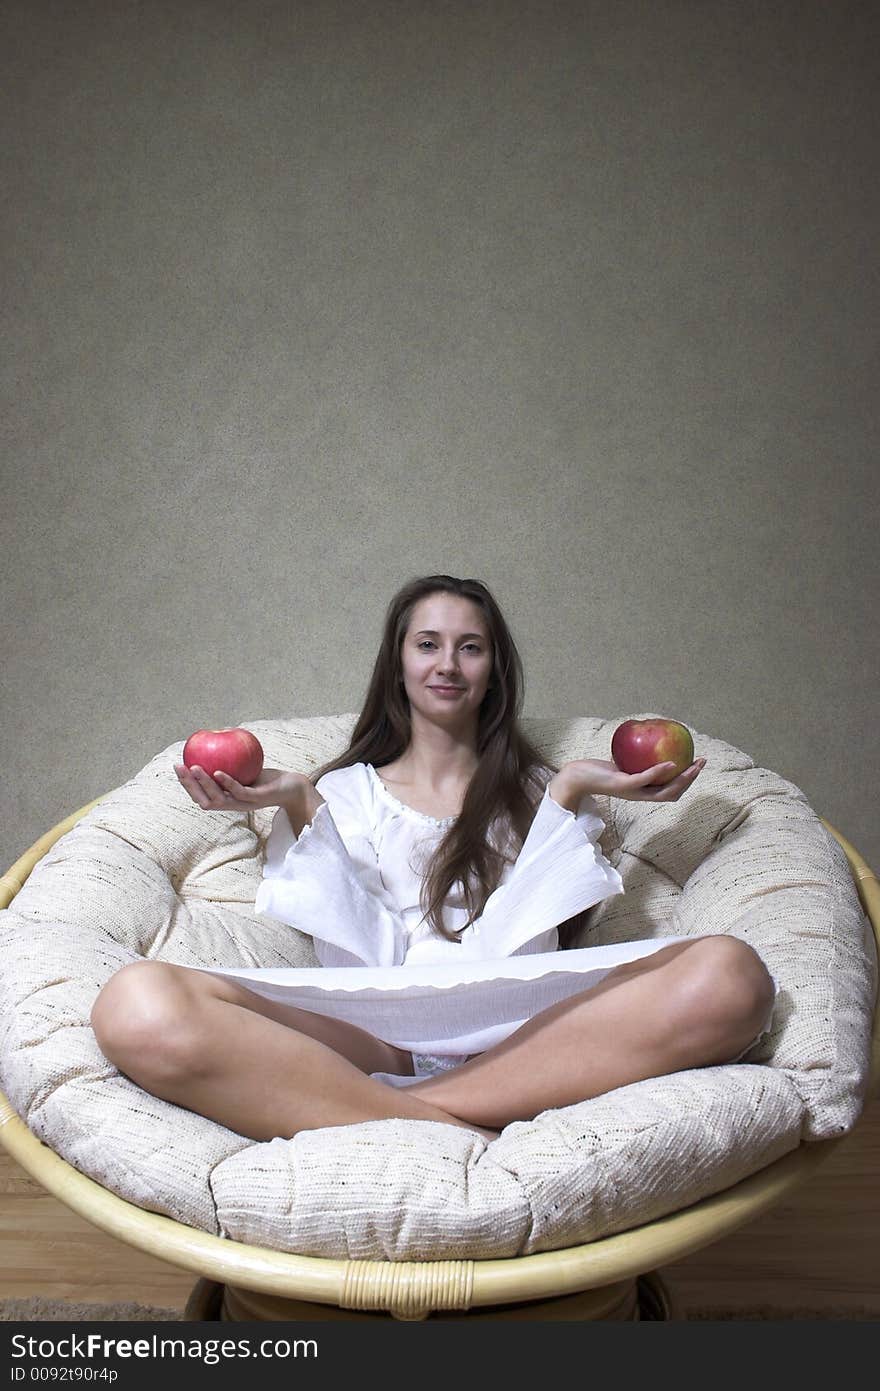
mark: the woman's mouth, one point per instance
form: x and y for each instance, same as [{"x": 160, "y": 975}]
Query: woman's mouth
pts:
[{"x": 447, "y": 690}]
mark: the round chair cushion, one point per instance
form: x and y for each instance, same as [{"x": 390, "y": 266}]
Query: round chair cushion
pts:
[{"x": 146, "y": 873}]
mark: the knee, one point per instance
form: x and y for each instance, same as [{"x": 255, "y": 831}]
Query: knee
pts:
[
  {"x": 726, "y": 988},
  {"x": 142, "y": 1020}
]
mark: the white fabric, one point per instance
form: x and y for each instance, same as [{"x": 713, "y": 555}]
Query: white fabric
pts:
[
  {"x": 445, "y": 1009},
  {"x": 352, "y": 880}
]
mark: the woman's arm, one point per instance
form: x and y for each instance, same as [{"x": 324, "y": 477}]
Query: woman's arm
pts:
[
  {"x": 587, "y": 777},
  {"x": 301, "y": 805},
  {"x": 320, "y": 882},
  {"x": 321, "y": 875}
]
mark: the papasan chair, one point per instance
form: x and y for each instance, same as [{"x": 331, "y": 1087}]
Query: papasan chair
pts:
[{"x": 567, "y": 1216}]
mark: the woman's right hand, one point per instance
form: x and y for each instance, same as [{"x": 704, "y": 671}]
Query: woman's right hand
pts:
[{"x": 271, "y": 788}]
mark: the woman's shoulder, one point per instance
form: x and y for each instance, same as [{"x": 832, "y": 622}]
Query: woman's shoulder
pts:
[
  {"x": 350, "y": 781},
  {"x": 358, "y": 782},
  {"x": 348, "y": 794}
]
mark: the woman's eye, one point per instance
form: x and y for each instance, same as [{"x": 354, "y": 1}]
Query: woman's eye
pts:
[{"x": 426, "y": 642}]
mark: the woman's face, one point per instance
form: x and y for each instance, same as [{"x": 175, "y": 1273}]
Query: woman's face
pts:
[{"x": 447, "y": 644}]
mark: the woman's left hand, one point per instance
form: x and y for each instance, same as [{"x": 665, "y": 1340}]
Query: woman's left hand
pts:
[{"x": 592, "y": 776}]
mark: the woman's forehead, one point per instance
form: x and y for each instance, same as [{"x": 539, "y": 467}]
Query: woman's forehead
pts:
[{"x": 448, "y": 611}]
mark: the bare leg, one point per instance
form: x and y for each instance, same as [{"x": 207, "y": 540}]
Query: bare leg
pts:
[
  {"x": 692, "y": 1004},
  {"x": 257, "y": 1067}
]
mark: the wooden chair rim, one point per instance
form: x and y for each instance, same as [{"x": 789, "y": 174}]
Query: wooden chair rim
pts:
[{"x": 453, "y": 1284}]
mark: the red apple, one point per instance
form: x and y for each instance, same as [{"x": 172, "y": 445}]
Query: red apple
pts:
[
  {"x": 234, "y": 751},
  {"x": 639, "y": 744}
]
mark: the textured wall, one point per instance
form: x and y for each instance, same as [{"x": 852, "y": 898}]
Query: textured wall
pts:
[{"x": 301, "y": 300}]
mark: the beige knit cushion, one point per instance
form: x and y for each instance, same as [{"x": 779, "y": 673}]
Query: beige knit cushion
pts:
[{"x": 149, "y": 874}]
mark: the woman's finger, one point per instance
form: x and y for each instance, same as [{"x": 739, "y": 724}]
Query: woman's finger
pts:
[
  {"x": 228, "y": 783},
  {"x": 203, "y": 783},
  {"x": 210, "y": 788},
  {"x": 237, "y": 792},
  {"x": 227, "y": 793},
  {"x": 653, "y": 775},
  {"x": 678, "y": 785},
  {"x": 690, "y": 772},
  {"x": 192, "y": 785},
  {"x": 695, "y": 768}
]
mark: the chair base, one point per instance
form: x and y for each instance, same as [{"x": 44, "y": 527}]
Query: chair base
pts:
[{"x": 644, "y": 1298}]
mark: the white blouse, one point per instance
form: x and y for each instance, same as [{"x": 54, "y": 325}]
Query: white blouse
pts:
[{"x": 353, "y": 877}]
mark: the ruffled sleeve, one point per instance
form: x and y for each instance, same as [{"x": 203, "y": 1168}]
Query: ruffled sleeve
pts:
[
  {"x": 560, "y": 871},
  {"x": 327, "y": 882}
]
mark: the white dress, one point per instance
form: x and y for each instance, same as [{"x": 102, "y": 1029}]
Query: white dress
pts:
[{"x": 352, "y": 879}]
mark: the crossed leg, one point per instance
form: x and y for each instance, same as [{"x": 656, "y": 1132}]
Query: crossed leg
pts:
[
  {"x": 261, "y": 1068},
  {"x": 265, "y": 1069},
  {"x": 691, "y": 1004}
]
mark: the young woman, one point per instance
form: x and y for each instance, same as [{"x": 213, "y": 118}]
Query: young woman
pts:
[{"x": 438, "y": 839}]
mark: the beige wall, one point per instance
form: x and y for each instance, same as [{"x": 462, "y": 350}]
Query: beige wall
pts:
[{"x": 302, "y": 300}]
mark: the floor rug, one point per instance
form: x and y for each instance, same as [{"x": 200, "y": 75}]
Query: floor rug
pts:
[{"x": 39, "y": 1310}]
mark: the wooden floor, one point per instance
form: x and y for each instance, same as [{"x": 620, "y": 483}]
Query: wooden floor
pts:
[{"x": 818, "y": 1250}]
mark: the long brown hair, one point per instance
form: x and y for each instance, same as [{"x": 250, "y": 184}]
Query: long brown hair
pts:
[{"x": 509, "y": 778}]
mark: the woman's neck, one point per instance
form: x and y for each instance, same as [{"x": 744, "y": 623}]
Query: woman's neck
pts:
[{"x": 435, "y": 769}]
